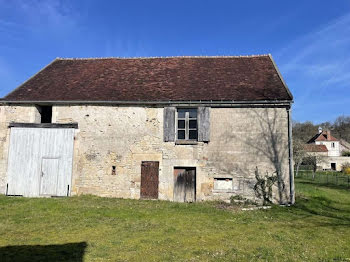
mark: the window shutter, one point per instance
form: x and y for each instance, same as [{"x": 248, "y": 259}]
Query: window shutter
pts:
[
  {"x": 203, "y": 124},
  {"x": 169, "y": 124}
]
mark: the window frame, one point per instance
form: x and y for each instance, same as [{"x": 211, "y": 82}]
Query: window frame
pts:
[{"x": 187, "y": 128}]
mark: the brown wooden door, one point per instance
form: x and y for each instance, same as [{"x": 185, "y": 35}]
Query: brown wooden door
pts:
[
  {"x": 185, "y": 184},
  {"x": 149, "y": 179}
]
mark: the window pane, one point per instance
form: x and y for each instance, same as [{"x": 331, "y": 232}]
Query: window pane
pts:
[
  {"x": 181, "y": 113},
  {"x": 181, "y": 124},
  {"x": 192, "y": 113},
  {"x": 193, "y": 134},
  {"x": 193, "y": 123},
  {"x": 181, "y": 134}
]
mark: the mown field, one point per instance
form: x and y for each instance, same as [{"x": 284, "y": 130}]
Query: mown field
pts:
[{"x": 90, "y": 228}]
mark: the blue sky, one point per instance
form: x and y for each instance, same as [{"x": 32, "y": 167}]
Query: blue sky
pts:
[{"x": 309, "y": 40}]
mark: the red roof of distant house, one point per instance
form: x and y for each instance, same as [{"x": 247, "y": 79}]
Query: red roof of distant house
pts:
[
  {"x": 324, "y": 136},
  {"x": 315, "y": 148},
  {"x": 250, "y": 78}
]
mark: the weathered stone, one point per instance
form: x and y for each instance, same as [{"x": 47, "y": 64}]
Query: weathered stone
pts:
[
  {"x": 121, "y": 136},
  {"x": 207, "y": 188}
]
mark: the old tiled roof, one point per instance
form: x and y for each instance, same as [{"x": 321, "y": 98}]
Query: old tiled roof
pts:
[
  {"x": 315, "y": 148},
  {"x": 322, "y": 137},
  {"x": 249, "y": 78}
]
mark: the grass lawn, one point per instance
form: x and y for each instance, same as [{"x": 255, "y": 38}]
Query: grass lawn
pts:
[
  {"x": 90, "y": 228},
  {"x": 327, "y": 178}
]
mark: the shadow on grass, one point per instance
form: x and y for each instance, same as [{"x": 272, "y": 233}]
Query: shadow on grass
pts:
[
  {"x": 53, "y": 253},
  {"x": 329, "y": 212}
]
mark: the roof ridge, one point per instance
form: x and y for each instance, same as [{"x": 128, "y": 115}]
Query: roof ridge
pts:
[{"x": 155, "y": 57}]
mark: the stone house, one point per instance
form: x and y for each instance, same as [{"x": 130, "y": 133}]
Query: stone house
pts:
[
  {"x": 177, "y": 128},
  {"x": 328, "y": 149},
  {"x": 325, "y": 140}
]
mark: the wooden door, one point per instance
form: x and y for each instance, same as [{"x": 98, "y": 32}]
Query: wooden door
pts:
[
  {"x": 149, "y": 179},
  {"x": 185, "y": 184},
  {"x": 49, "y": 176}
]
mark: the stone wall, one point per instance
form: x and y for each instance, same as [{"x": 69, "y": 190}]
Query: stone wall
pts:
[
  {"x": 325, "y": 162},
  {"x": 332, "y": 150},
  {"x": 241, "y": 140}
]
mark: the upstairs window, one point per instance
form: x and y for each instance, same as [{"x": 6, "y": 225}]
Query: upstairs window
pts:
[
  {"x": 187, "y": 124},
  {"x": 45, "y": 114},
  {"x": 333, "y": 144}
]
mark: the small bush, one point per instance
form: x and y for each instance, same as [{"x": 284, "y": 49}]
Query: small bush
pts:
[
  {"x": 242, "y": 201},
  {"x": 237, "y": 197},
  {"x": 346, "y": 168},
  {"x": 346, "y": 171}
]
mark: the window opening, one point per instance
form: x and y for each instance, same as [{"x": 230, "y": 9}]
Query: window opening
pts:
[{"x": 187, "y": 124}]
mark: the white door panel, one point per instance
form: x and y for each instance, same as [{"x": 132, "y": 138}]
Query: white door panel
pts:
[{"x": 33, "y": 150}]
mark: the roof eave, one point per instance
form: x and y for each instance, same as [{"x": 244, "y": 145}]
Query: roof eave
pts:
[
  {"x": 281, "y": 78},
  {"x": 211, "y": 102}
]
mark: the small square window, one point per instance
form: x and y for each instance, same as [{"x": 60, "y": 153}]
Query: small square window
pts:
[
  {"x": 181, "y": 134},
  {"x": 193, "y": 134},
  {"x": 181, "y": 124},
  {"x": 193, "y": 123},
  {"x": 192, "y": 113},
  {"x": 223, "y": 184},
  {"x": 181, "y": 113}
]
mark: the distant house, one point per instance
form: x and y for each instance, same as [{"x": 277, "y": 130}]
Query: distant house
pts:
[
  {"x": 177, "y": 128},
  {"x": 325, "y": 140},
  {"x": 316, "y": 149},
  {"x": 329, "y": 149}
]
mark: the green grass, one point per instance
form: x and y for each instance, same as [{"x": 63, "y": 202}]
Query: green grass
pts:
[
  {"x": 317, "y": 228},
  {"x": 327, "y": 178}
]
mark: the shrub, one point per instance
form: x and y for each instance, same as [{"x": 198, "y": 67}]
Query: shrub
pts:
[
  {"x": 345, "y": 168},
  {"x": 242, "y": 201},
  {"x": 263, "y": 186}
]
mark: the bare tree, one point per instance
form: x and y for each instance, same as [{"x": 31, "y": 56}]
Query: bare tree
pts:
[
  {"x": 304, "y": 131},
  {"x": 313, "y": 159},
  {"x": 340, "y": 129},
  {"x": 299, "y": 154}
]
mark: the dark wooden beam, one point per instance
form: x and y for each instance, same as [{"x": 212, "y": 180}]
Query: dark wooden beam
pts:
[{"x": 44, "y": 125}]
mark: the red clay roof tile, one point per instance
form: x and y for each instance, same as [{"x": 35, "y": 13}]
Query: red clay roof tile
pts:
[
  {"x": 322, "y": 137},
  {"x": 315, "y": 148},
  {"x": 253, "y": 78}
]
